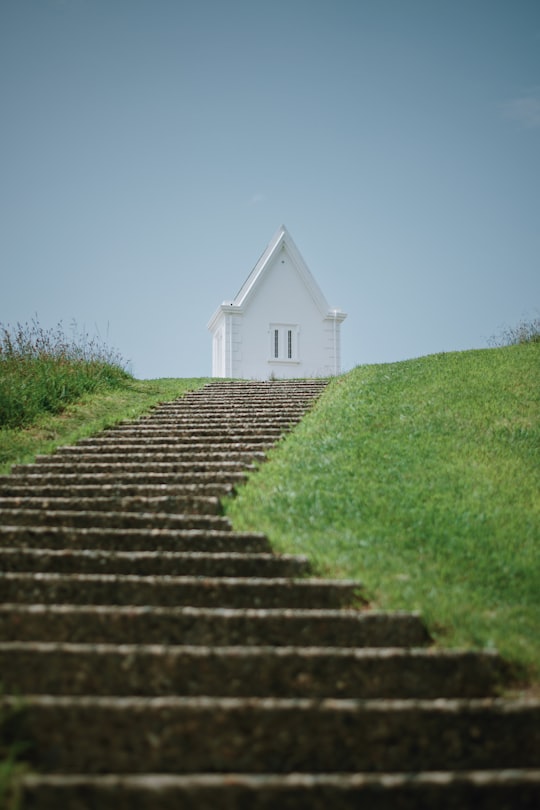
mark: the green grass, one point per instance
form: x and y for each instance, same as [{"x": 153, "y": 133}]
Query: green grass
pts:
[
  {"x": 421, "y": 479},
  {"x": 57, "y": 388},
  {"x": 43, "y": 370},
  {"x": 87, "y": 416},
  {"x": 11, "y": 766},
  {"x": 31, "y": 387}
]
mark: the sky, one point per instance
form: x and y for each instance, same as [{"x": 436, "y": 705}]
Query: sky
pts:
[{"x": 150, "y": 149}]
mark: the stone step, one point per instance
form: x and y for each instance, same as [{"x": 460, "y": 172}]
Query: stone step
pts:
[
  {"x": 212, "y": 627},
  {"x": 185, "y": 468},
  {"x": 203, "y": 540},
  {"x": 256, "y": 409},
  {"x": 152, "y": 563},
  {"x": 231, "y": 404},
  {"x": 211, "y": 420},
  {"x": 173, "y": 505},
  {"x": 205, "y": 428},
  {"x": 224, "y": 409},
  {"x": 183, "y": 446},
  {"x": 197, "y": 436},
  {"x": 461, "y": 790},
  {"x": 250, "y": 390},
  {"x": 249, "y": 393},
  {"x": 235, "y": 390},
  {"x": 279, "y": 415},
  {"x": 274, "y": 735},
  {"x": 186, "y": 456},
  {"x": 177, "y": 434},
  {"x": 299, "y": 672},
  {"x": 228, "y": 399},
  {"x": 15, "y": 488},
  {"x": 176, "y": 437},
  {"x": 27, "y": 474},
  {"x": 239, "y": 397},
  {"x": 216, "y": 393},
  {"x": 239, "y": 592},
  {"x": 113, "y": 520},
  {"x": 201, "y": 428},
  {"x": 268, "y": 386}
]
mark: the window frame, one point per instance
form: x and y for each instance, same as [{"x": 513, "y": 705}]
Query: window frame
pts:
[{"x": 284, "y": 343}]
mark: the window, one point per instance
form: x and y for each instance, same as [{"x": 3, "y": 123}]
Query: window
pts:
[{"x": 284, "y": 343}]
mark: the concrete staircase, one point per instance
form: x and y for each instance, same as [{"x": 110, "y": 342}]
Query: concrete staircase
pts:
[{"x": 166, "y": 661}]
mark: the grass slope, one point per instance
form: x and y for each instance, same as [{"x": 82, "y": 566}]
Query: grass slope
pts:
[
  {"x": 89, "y": 415},
  {"x": 43, "y": 370},
  {"x": 421, "y": 479}
]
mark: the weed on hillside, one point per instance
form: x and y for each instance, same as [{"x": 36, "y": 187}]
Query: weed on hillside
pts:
[
  {"x": 42, "y": 370},
  {"x": 526, "y": 331}
]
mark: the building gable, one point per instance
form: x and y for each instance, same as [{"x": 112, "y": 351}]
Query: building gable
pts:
[
  {"x": 279, "y": 323},
  {"x": 281, "y": 248}
]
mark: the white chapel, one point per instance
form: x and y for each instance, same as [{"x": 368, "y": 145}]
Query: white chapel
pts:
[{"x": 279, "y": 325}]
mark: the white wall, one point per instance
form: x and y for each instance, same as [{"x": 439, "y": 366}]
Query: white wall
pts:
[
  {"x": 281, "y": 297},
  {"x": 226, "y": 329}
]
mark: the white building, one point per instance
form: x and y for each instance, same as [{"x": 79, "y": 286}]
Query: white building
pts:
[{"x": 279, "y": 325}]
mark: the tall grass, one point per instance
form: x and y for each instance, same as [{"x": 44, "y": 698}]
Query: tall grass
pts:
[
  {"x": 42, "y": 370},
  {"x": 421, "y": 479},
  {"x": 526, "y": 331}
]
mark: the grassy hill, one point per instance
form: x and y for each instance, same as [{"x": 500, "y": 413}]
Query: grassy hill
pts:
[{"x": 421, "y": 479}]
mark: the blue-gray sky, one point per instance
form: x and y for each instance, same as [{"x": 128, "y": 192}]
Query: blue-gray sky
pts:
[{"x": 149, "y": 149}]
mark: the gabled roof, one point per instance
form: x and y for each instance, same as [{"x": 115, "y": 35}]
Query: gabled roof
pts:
[{"x": 281, "y": 240}]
